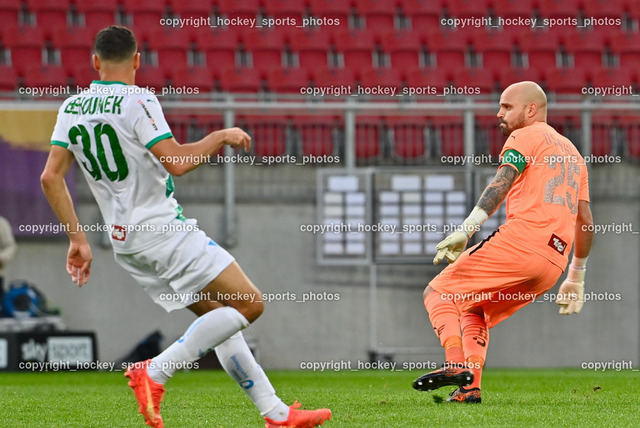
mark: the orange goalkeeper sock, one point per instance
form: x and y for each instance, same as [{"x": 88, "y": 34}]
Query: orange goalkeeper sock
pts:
[
  {"x": 445, "y": 319},
  {"x": 475, "y": 340}
]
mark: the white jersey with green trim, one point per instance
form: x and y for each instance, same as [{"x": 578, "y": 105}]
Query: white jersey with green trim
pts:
[{"x": 110, "y": 128}]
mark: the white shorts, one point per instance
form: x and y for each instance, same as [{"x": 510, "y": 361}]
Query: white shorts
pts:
[{"x": 176, "y": 270}]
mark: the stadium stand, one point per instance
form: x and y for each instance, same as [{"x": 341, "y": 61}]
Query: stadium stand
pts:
[
  {"x": 288, "y": 81},
  {"x": 269, "y": 134},
  {"x": 408, "y": 137},
  {"x": 8, "y": 78},
  {"x": 400, "y": 43},
  {"x": 73, "y": 43},
  {"x": 201, "y": 78},
  {"x": 317, "y": 135},
  {"x": 422, "y": 14},
  {"x": 369, "y": 142},
  {"x": 311, "y": 48},
  {"x": 403, "y": 49},
  {"x": 49, "y": 13},
  {"x": 194, "y": 9},
  {"x": 266, "y": 48},
  {"x": 98, "y": 14},
  {"x": 26, "y": 44},
  {"x": 218, "y": 46},
  {"x": 40, "y": 75},
  {"x": 172, "y": 46},
  {"x": 238, "y": 8}
]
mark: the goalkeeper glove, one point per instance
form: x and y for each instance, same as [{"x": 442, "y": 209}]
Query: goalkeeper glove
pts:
[
  {"x": 454, "y": 244},
  {"x": 571, "y": 291}
]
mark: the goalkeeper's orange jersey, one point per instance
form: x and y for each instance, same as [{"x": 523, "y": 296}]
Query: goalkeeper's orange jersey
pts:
[{"x": 542, "y": 205}]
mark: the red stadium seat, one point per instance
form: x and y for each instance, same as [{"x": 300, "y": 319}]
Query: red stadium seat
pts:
[
  {"x": 404, "y": 49},
  {"x": 219, "y": 46},
  {"x": 288, "y": 81},
  {"x": 365, "y": 7},
  {"x": 408, "y": 140},
  {"x": 284, "y": 7},
  {"x": 334, "y": 77},
  {"x": 559, "y": 8},
  {"x": 626, "y": 46},
  {"x": 424, "y": 14},
  {"x": 425, "y": 80},
  {"x": 383, "y": 77},
  {"x": 603, "y": 8},
  {"x": 587, "y": 48},
  {"x": 378, "y": 14},
  {"x": 209, "y": 123},
  {"x": 98, "y": 14},
  {"x": 75, "y": 44},
  {"x": 311, "y": 47},
  {"x": 316, "y": 135},
  {"x": 541, "y": 46},
  {"x": 467, "y": 8},
  {"x": 8, "y": 78},
  {"x": 268, "y": 134},
  {"x": 450, "y": 48},
  {"x": 368, "y": 131},
  {"x": 154, "y": 78},
  {"x": 239, "y": 8},
  {"x": 284, "y": 13},
  {"x": 179, "y": 125},
  {"x": 514, "y": 8},
  {"x": 602, "y": 128},
  {"x": 172, "y": 46},
  {"x": 266, "y": 48},
  {"x": 496, "y": 48},
  {"x": 476, "y": 80},
  {"x": 9, "y": 10},
  {"x": 45, "y": 76},
  {"x": 357, "y": 47},
  {"x": 26, "y": 45},
  {"x": 513, "y": 75},
  {"x": 195, "y": 9},
  {"x": 193, "y": 77},
  {"x": 566, "y": 81},
  {"x": 331, "y": 9},
  {"x": 146, "y": 14},
  {"x": 449, "y": 133},
  {"x": 608, "y": 77},
  {"x": 49, "y": 13},
  {"x": 381, "y": 21},
  {"x": 241, "y": 79}
]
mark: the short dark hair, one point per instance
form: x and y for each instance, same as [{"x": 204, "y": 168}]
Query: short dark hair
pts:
[{"x": 115, "y": 43}]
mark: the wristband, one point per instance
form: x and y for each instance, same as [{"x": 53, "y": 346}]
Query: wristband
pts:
[
  {"x": 472, "y": 223},
  {"x": 577, "y": 269}
]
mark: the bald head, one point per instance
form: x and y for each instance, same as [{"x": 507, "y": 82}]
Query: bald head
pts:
[{"x": 522, "y": 104}]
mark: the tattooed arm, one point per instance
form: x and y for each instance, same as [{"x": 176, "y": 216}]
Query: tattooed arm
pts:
[
  {"x": 454, "y": 244},
  {"x": 495, "y": 192}
]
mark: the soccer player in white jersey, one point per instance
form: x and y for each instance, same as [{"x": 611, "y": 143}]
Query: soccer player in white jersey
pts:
[{"x": 119, "y": 136}]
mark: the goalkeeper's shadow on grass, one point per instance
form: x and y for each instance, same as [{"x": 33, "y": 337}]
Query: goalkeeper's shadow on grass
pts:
[{"x": 438, "y": 399}]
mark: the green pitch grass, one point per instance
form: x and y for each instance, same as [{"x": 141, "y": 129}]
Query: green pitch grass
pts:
[{"x": 522, "y": 398}]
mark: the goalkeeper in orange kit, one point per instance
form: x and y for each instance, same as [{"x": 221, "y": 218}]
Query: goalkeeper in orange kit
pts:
[{"x": 545, "y": 182}]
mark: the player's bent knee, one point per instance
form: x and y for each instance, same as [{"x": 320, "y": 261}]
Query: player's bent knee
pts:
[{"x": 251, "y": 311}]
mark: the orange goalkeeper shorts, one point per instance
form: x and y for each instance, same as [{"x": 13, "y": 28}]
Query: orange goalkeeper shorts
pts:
[{"x": 496, "y": 276}]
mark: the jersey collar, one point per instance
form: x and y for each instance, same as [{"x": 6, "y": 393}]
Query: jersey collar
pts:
[{"x": 104, "y": 82}]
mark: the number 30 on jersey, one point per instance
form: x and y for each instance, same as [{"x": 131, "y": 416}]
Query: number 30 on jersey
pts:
[{"x": 94, "y": 150}]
